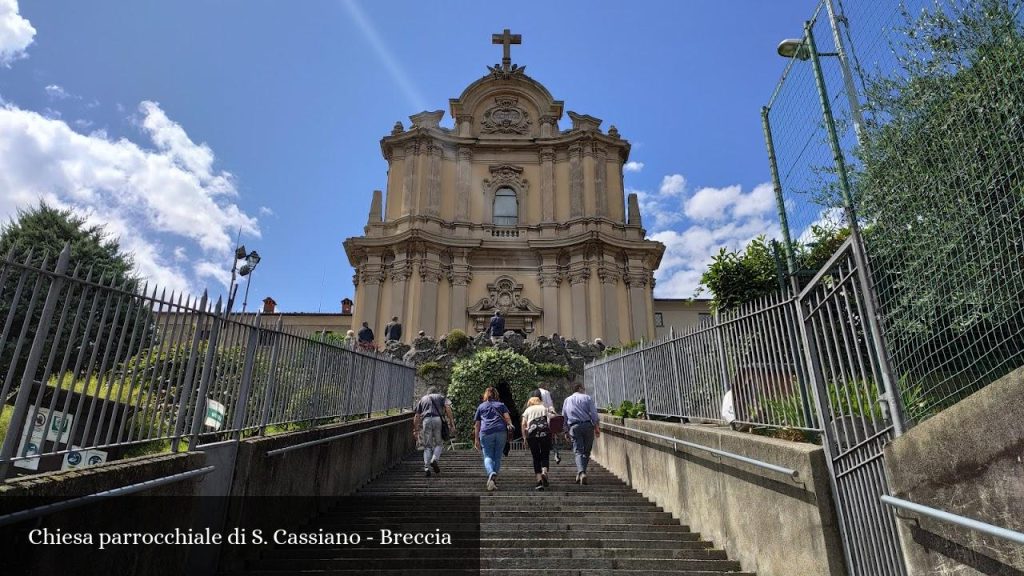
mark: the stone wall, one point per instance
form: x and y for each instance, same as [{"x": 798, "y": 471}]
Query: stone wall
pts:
[
  {"x": 967, "y": 460},
  {"x": 771, "y": 524}
]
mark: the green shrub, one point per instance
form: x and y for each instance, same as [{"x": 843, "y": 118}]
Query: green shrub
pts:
[
  {"x": 470, "y": 377},
  {"x": 617, "y": 349},
  {"x": 427, "y": 368},
  {"x": 550, "y": 370},
  {"x": 456, "y": 340},
  {"x": 629, "y": 410}
]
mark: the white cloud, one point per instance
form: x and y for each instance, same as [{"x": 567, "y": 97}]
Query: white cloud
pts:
[
  {"x": 154, "y": 201},
  {"x": 633, "y": 166},
  {"x": 57, "y": 92},
  {"x": 16, "y": 33},
  {"x": 695, "y": 226},
  {"x": 265, "y": 211},
  {"x": 672, "y": 185}
]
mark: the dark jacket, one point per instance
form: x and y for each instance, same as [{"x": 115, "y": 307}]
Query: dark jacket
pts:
[
  {"x": 393, "y": 331},
  {"x": 497, "y": 327},
  {"x": 366, "y": 335}
]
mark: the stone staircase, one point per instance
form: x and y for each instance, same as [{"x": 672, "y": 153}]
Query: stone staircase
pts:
[{"x": 602, "y": 529}]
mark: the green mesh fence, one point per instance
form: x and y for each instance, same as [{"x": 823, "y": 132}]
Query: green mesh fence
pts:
[{"x": 936, "y": 171}]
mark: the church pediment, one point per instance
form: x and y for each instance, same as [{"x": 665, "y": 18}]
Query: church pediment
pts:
[{"x": 505, "y": 294}]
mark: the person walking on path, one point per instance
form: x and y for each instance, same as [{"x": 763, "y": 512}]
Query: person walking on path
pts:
[
  {"x": 393, "y": 330},
  {"x": 554, "y": 421},
  {"x": 580, "y": 414},
  {"x": 537, "y": 435},
  {"x": 496, "y": 328},
  {"x": 427, "y": 424},
  {"x": 365, "y": 338},
  {"x": 491, "y": 426}
]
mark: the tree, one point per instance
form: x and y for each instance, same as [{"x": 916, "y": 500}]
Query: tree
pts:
[
  {"x": 942, "y": 185},
  {"x": 488, "y": 367},
  {"x": 43, "y": 231}
]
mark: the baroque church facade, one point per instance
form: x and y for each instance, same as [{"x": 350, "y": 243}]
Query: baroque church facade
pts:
[{"x": 507, "y": 212}]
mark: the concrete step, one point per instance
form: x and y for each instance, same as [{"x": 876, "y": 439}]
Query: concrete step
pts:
[{"x": 496, "y": 552}]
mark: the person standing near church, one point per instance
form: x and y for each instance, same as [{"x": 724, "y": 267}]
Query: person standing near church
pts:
[
  {"x": 365, "y": 338},
  {"x": 393, "y": 330},
  {"x": 497, "y": 327},
  {"x": 426, "y": 426},
  {"x": 580, "y": 414}
]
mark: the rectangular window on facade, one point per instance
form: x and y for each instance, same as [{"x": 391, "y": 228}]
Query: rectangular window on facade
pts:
[{"x": 659, "y": 320}]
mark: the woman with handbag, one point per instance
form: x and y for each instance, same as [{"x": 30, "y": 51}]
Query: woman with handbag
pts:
[
  {"x": 431, "y": 427},
  {"x": 491, "y": 426},
  {"x": 537, "y": 435}
]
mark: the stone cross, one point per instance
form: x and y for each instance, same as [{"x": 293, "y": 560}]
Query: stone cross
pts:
[{"x": 506, "y": 38}]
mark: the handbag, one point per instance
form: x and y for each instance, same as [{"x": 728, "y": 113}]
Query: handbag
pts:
[{"x": 446, "y": 434}]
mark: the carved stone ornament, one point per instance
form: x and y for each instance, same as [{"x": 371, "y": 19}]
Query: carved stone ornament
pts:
[
  {"x": 503, "y": 175},
  {"x": 505, "y": 294},
  {"x": 506, "y": 117}
]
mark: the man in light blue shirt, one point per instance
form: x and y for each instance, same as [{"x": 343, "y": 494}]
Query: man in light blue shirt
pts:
[{"x": 581, "y": 417}]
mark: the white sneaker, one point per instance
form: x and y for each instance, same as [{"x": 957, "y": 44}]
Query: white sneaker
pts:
[{"x": 491, "y": 486}]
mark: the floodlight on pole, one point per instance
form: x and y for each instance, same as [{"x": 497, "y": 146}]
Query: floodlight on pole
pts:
[{"x": 251, "y": 260}]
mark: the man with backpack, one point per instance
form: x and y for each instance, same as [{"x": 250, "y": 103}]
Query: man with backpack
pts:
[{"x": 537, "y": 435}]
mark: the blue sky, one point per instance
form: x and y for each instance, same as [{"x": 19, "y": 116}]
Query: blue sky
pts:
[{"x": 177, "y": 123}]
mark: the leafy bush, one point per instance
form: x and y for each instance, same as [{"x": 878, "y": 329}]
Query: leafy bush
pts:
[
  {"x": 456, "y": 340},
  {"x": 629, "y": 409},
  {"x": 550, "y": 370},
  {"x": 471, "y": 376},
  {"x": 617, "y": 349},
  {"x": 427, "y": 368}
]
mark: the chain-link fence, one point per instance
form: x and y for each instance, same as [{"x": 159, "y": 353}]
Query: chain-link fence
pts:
[
  {"x": 94, "y": 371},
  {"x": 927, "y": 101}
]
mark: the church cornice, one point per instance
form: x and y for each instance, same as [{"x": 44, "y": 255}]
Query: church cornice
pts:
[{"x": 392, "y": 146}]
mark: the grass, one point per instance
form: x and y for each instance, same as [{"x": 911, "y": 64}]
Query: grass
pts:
[{"x": 124, "y": 394}]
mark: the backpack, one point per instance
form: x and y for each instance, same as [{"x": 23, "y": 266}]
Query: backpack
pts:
[{"x": 538, "y": 427}]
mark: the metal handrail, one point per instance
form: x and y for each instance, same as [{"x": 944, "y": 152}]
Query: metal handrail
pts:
[
  {"x": 793, "y": 474},
  {"x": 330, "y": 438},
  {"x": 45, "y": 509},
  {"x": 976, "y": 525}
]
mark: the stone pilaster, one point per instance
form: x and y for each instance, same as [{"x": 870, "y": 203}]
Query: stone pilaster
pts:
[
  {"x": 459, "y": 276},
  {"x": 637, "y": 279},
  {"x": 600, "y": 184},
  {"x": 430, "y": 274},
  {"x": 579, "y": 279},
  {"x": 588, "y": 178},
  {"x": 409, "y": 188},
  {"x": 399, "y": 274},
  {"x": 371, "y": 274},
  {"x": 465, "y": 123},
  {"x": 547, "y": 185},
  {"x": 609, "y": 274},
  {"x": 550, "y": 279},
  {"x": 463, "y": 183},
  {"x": 548, "y": 126},
  {"x": 576, "y": 181},
  {"x": 435, "y": 155}
]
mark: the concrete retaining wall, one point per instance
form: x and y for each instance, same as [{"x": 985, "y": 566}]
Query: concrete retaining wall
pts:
[
  {"x": 768, "y": 522},
  {"x": 968, "y": 460},
  {"x": 138, "y": 512}
]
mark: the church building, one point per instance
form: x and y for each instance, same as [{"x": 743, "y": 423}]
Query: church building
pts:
[{"x": 507, "y": 212}]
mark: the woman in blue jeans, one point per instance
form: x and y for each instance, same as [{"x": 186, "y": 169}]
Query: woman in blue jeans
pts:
[{"x": 491, "y": 425}]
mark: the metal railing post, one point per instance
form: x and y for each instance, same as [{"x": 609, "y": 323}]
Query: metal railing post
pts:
[
  {"x": 722, "y": 363},
  {"x": 677, "y": 382},
  {"x": 268, "y": 397},
  {"x": 185, "y": 395},
  {"x": 207, "y": 376},
  {"x": 890, "y": 396},
  {"x": 242, "y": 402},
  {"x": 21, "y": 401}
]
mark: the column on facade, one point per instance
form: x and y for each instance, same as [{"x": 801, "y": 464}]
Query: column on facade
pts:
[
  {"x": 550, "y": 279},
  {"x": 579, "y": 278},
  {"x": 411, "y": 157},
  {"x": 600, "y": 181},
  {"x": 547, "y": 184},
  {"x": 430, "y": 274},
  {"x": 637, "y": 279},
  {"x": 608, "y": 273},
  {"x": 588, "y": 178},
  {"x": 399, "y": 274},
  {"x": 463, "y": 185},
  {"x": 459, "y": 275},
  {"x": 576, "y": 180},
  {"x": 371, "y": 274},
  {"x": 435, "y": 154}
]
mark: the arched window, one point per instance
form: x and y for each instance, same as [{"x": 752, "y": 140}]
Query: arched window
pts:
[{"x": 506, "y": 207}]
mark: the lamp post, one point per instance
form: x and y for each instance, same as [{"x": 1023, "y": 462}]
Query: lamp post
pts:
[{"x": 251, "y": 260}]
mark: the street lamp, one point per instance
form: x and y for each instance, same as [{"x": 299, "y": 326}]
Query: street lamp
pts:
[{"x": 251, "y": 260}]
